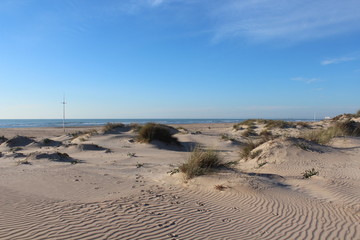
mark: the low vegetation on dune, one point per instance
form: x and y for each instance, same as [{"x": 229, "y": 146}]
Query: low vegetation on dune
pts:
[
  {"x": 110, "y": 127},
  {"x": 200, "y": 162},
  {"x": 346, "y": 116},
  {"x": 338, "y": 129},
  {"x": 269, "y": 124},
  {"x": 247, "y": 150},
  {"x": 82, "y": 133},
  {"x": 153, "y": 131}
]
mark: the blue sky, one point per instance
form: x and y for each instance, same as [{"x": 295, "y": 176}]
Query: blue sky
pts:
[{"x": 179, "y": 58}]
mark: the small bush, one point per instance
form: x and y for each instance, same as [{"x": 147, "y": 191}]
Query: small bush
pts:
[
  {"x": 152, "y": 131},
  {"x": 200, "y": 162},
  {"x": 110, "y": 127},
  {"x": 309, "y": 173}
]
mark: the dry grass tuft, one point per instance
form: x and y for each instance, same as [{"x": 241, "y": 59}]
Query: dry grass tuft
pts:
[
  {"x": 339, "y": 129},
  {"x": 110, "y": 127},
  {"x": 246, "y": 151},
  {"x": 200, "y": 162}
]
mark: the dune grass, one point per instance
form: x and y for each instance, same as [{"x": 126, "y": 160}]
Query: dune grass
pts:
[
  {"x": 338, "y": 129},
  {"x": 109, "y": 127},
  {"x": 246, "y": 151},
  {"x": 153, "y": 131},
  {"x": 200, "y": 162}
]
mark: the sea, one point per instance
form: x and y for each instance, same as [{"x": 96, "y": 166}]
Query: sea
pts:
[{"x": 29, "y": 123}]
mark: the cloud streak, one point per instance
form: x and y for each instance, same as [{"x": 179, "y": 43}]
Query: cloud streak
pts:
[
  {"x": 305, "y": 80},
  {"x": 337, "y": 60},
  {"x": 263, "y": 20}
]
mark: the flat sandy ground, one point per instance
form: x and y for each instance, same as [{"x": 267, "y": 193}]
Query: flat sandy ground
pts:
[{"x": 122, "y": 189}]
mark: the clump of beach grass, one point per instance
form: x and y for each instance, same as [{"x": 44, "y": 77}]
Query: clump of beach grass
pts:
[
  {"x": 153, "y": 131},
  {"x": 309, "y": 173},
  {"x": 200, "y": 162},
  {"x": 339, "y": 129},
  {"x": 246, "y": 151},
  {"x": 249, "y": 132},
  {"x": 270, "y": 124},
  {"x": 110, "y": 127}
]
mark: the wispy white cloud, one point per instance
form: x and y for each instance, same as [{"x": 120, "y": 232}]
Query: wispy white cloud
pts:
[
  {"x": 263, "y": 20},
  {"x": 283, "y": 19},
  {"x": 305, "y": 80},
  {"x": 337, "y": 60},
  {"x": 156, "y": 2}
]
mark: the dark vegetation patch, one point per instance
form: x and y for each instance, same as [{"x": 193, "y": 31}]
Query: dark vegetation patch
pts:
[
  {"x": 309, "y": 173},
  {"x": 153, "y": 131}
]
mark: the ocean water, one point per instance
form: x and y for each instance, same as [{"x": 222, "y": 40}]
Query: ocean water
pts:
[{"x": 28, "y": 123}]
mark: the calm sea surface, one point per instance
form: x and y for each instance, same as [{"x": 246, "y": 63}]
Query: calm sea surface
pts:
[{"x": 27, "y": 123}]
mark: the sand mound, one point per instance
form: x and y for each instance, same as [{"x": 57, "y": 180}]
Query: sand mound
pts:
[
  {"x": 91, "y": 147},
  {"x": 57, "y": 156},
  {"x": 19, "y": 141}
]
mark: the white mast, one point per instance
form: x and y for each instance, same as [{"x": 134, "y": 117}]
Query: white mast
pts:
[{"x": 63, "y": 103}]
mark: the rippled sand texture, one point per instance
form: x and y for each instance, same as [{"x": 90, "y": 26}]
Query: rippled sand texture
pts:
[{"x": 106, "y": 196}]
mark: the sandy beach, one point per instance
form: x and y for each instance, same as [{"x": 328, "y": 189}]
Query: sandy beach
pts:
[{"x": 89, "y": 184}]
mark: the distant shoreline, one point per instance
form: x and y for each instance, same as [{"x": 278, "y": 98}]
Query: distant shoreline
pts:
[{"x": 86, "y": 123}]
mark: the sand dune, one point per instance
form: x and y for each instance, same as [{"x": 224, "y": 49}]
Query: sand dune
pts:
[{"x": 128, "y": 193}]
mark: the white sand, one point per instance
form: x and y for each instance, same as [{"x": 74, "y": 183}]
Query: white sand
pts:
[{"x": 106, "y": 196}]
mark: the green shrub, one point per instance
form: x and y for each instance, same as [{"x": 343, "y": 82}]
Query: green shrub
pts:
[
  {"x": 152, "y": 131},
  {"x": 200, "y": 162}
]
